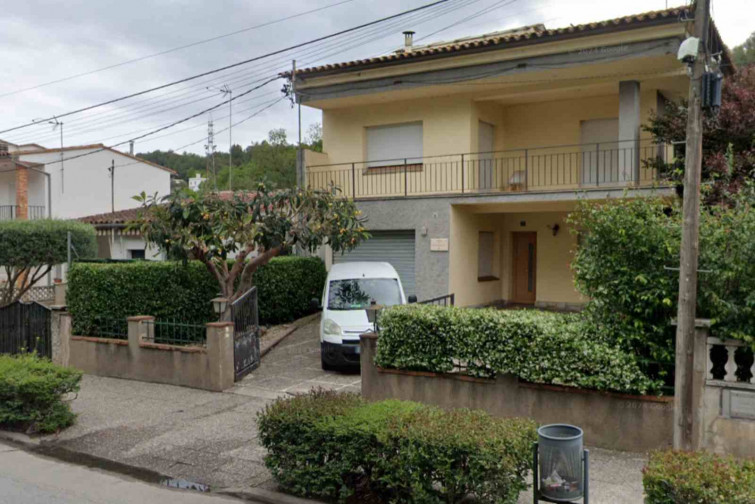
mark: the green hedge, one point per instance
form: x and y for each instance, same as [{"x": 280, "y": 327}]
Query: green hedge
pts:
[
  {"x": 26, "y": 243},
  {"x": 99, "y": 293},
  {"x": 700, "y": 478},
  {"x": 339, "y": 447},
  {"x": 33, "y": 391},
  {"x": 536, "y": 346},
  {"x": 286, "y": 287}
]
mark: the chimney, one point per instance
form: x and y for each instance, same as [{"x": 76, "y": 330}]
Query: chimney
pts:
[
  {"x": 131, "y": 147},
  {"x": 408, "y": 40}
]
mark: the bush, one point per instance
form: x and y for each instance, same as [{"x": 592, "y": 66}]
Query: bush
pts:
[
  {"x": 168, "y": 289},
  {"x": 32, "y": 393},
  {"x": 703, "y": 478},
  {"x": 536, "y": 346},
  {"x": 286, "y": 287},
  {"x": 341, "y": 448}
]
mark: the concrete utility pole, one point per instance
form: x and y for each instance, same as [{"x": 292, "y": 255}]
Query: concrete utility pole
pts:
[
  {"x": 299, "y": 152},
  {"x": 684, "y": 396},
  {"x": 227, "y": 91}
]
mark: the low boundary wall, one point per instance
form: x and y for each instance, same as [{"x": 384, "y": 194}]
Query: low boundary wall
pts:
[
  {"x": 609, "y": 420},
  {"x": 209, "y": 367}
]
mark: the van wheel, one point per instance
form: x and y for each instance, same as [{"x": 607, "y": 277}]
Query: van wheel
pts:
[{"x": 326, "y": 366}]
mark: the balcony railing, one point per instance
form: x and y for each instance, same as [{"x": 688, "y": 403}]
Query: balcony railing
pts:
[
  {"x": 559, "y": 168},
  {"x": 11, "y": 212}
]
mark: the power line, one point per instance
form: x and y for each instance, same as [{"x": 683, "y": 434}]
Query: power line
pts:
[
  {"x": 234, "y": 65},
  {"x": 318, "y": 53},
  {"x": 174, "y": 49}
]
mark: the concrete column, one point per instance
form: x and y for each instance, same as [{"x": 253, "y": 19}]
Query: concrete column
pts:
[
  {"x": 139, "y": 328},
  {"x": 60, "y": 289},
  {"x": 60, "y": 335},
  {"x": 22, "y": 192},
  {"x": 629, "y": 131},
  {"x": 368, "y": 348},
  {"x": 220, "y": 348},
  {"x": 697, "y": 376}
]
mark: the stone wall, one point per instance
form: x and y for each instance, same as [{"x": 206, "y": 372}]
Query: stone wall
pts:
[
  {"x": 209, "y": 367},
  {"x": 609, "y": 420}
]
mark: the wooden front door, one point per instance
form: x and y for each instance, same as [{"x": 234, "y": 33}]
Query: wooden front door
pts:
[{"x": 525, "y": 267}]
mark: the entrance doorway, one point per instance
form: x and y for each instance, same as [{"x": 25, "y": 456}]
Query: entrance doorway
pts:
[{"x": 525, "y": 266}]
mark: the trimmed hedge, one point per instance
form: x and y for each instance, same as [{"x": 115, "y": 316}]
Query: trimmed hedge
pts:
[
  {"x": 98, "y": 293},
  {"x": 32, "y": 393},
  {"x": 286, "y": 287},
  {"x": 26, "y": 243},
  {"x": 536, "y": 346},
  {"x": 703, "y": 478},
  {"x": 341, "y": 448}
]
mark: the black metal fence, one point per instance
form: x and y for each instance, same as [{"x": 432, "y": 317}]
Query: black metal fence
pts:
[
  {"x": 176, "y": 332},
  {"x": 246, "y": 333},
  {"x": 447, "y": 300},
  {"x": 25, "y": 327},
  {"x": 613, "y": 164},
  {"x": 101, "y": 327}
]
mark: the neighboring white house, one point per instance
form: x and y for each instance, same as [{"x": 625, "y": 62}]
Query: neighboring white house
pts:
[
  {"x": 82, "y": 184},
  {"x": 196, "y": 181},
  {"x": 115, "y": 241}
]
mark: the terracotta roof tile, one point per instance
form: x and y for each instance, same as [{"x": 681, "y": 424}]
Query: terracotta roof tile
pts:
[
  {"x": 522, "y": 36},
  {"x": 117, "y": 217}
]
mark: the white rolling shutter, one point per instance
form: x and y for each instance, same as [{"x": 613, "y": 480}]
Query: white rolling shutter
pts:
[
  {"x": 387, "y": 144},
  {"x": 394, "y": 247}
]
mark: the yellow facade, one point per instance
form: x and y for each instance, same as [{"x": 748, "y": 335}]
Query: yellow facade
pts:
[{"x": 554, "y": 281}]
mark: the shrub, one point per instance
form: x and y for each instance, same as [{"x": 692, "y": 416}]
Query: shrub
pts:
[
  {"x": 168, "y": 289},
  {"x": 286, "y": 287},
  {"x": 32, "y": 393},
  {"x": 703, "y": 478},
  {"x": 30, "y": 248},
  {"x": 341, "y": 448},
  {"x": 536, "y": 346}
]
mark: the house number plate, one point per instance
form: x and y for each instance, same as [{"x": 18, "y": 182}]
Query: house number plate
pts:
[{"x": 739, "y": 404}]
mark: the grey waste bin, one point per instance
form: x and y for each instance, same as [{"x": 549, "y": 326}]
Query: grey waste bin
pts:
[{"x": 561, "y": 469}]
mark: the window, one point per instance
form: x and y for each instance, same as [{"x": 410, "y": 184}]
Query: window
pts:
[
  {"x": 358, "y": 294},
  {"x": 390, "y": 145},
  {"x": 136, "y": 254},
  {"x": 486, "y": 256}
]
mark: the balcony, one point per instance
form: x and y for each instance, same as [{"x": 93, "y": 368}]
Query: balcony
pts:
[
  {"x": 11, "y": 212},
  {"x": 540, "y": 169}
]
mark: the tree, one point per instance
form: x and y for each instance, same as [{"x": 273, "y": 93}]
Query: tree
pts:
[
  {"x": 184, "y": 164},
  {"x": 744, "y": 54},
  {"x": 314, "y": 137},
  {"x": 252, "y": 226},
  {"x": 728, "y": 138},
  {"x": 30, "y": 248}
]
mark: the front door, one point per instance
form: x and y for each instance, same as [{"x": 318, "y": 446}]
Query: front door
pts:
[{"x": 525, "y": 262}]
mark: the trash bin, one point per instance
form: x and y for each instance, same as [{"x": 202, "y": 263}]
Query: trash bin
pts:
[{"x": 561, "y": 469}]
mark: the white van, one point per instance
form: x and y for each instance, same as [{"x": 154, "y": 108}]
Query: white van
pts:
[{"x": 349, "y": 291}]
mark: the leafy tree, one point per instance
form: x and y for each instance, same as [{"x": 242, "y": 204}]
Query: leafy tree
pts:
[
  {"x": 30, "y": 248},
  {"x": 744, "y": 54},
  {"x": 314, "y": 137},
  {"x": 185, "y": 164},
  {"x": 728, "y": 138},
  {"x": 253, "y": 226}
]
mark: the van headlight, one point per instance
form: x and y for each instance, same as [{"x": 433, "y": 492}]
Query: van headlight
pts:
[{"x": 330, "y": 327}]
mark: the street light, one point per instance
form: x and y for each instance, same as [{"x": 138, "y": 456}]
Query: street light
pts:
[{"x": 225, "y": 90}]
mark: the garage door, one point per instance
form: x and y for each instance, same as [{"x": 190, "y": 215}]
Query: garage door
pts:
[{"x": 394, "y": 247}]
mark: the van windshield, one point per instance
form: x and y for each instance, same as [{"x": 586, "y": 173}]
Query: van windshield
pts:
[{"x": 357, "y": 294}]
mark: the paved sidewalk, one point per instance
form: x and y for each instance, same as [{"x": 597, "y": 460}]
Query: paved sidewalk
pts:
[{"x": 211, "y": 438}]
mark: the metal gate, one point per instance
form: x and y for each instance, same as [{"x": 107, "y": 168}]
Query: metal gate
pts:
[
  {"x": 246, "y": 333},
  {"x": 25, "y": 327}
]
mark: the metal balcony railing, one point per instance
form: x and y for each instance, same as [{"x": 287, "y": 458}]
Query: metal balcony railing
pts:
[
  {"x": 11, "y": 212},
  {"x": 558, "y": 168}
]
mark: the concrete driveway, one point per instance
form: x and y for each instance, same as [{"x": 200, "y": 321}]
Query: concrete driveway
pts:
[{"x": 293, "y": 367}]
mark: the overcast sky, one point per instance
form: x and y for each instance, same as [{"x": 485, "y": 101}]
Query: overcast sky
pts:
[{"x": 43, "y": 41}]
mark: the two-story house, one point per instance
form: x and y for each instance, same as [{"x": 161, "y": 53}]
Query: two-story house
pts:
[
  {"x": 75, "y": 182},
  {"x": 467, "y": 156}
]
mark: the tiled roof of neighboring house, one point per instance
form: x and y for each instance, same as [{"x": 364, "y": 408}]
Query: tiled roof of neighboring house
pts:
[
  {"x": 93, "y": 146},
  {"x": 118, "y": 217},
  {"x": 512, "y": 38}
]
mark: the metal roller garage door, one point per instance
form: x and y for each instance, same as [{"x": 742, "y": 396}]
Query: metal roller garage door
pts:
[{"x": 394, "y": 247}]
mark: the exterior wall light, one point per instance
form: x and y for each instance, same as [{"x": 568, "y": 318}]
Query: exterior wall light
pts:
[{"x": 219, "y": 305}]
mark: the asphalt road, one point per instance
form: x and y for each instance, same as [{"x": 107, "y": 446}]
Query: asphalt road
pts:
[{"x": 27, "y": 478}]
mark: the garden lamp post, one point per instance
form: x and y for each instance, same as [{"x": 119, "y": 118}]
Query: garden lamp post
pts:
[
  {"x": 372, "y": 314},
  {"x": 219, "y": 305}
]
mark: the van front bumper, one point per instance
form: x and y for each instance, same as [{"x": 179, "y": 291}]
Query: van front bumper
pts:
[{"x": 341, "y": 354}]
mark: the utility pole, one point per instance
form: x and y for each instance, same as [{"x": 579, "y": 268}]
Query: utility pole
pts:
[
  {"x": 55, "y": 124},
  {"x": 111, "y": 169},
  {"x": 684, "y": 396},
  {"x": 227, "y": 91},
  {"x": 299, "y": 152},
  {"x": 210, "y": 151}
]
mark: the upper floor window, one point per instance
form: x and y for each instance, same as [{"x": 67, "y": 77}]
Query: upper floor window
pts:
[{"x": 391, "y": 145}]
